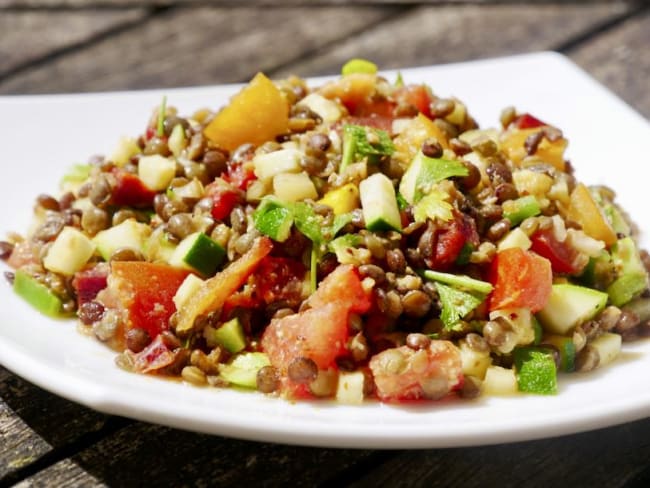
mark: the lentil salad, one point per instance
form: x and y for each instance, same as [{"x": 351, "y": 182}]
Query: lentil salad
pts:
[{"x": 323, "y": 291}]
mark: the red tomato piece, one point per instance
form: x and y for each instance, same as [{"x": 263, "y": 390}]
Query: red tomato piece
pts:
[
  {"x": 563, "y": 258},
  {"x": 449, "y": 242},
  {"x": 429, "y": 373},
  {"x": 527, "y": 121},
  {"x": 417, "y": 96},
  {"x": 342, "y": 285},
  {"x": 130, "y": 191},
  {"x": 225, "y": 196},
  {"x": 240, "y": 175},
  {"x": 521, "y": 279},
  {"x": 146, "y": 291},
  {"x": 369, "y": 108},
  {"x": 383, "y": 123}
]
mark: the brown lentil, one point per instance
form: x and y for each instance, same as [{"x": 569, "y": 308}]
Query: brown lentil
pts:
[
  {"x": 105, "y": 328},
  {"x": 587, "y": 359},
  {"x": 459, "y": 147},
  {"x": 505, "y": 191},
  {"x": 508, "y": 115},
  {"x": 416, "y": 303},
  {"x": 100, "y": 192},
  {"x": 215, "y": 162},
  {"x": 499, "y": 173},
  {"x": 442, "y": 107},
  {"x": 325, "y": 383},
  {"x": 627, "y": 321},
  {"x": 471, "y": 387},
  {"x": 388, "y": 303},
  {"x": 497, "y": 230},
  {"x": 66, "y": 200},
  {"x": 137, "y": 339},
  {"x": 194, "y": 375},
  {"x": 431, "y": 148},
  {"x": 395, "y": 260},
  {"x": 180, "y": 225},
  {"x": 302, "y": 370},
  {"x": 417, "y": 341},
  {"x": 6, "y": 248},
  {"x": 90, "y": 312},
  {"x": 122, "y": 215},
  {"x": 126, "y": 254},
  {"x": 10, "y": 277},
  {"x": 94, "y": 219},
  {"x": 485, "y": 147},
  {"x": 373, "y": 271},
  {"x": 51, "y": 228},
  {"x": 267, "y": 379},
  {"x": 359, "y": 347},
  {"x": 48, "y": 202},
  {"x": 473, "y": 177},
  {"x": 156, "y": 145},
  {"x": 319, "y": 142},
  {"x": 476, "y": 342},
  {"x": 532, "y": 142},
  {"x": 170, "y": 340}
]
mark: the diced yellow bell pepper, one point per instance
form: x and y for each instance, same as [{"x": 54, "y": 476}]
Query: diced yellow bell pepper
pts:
[
  {"x": 409, "y": 141},
  {"x": 584, "y": 210},
  {"x": 343, "y": 199},
  {"x": 512, "y": 143},
  {"x": 258, "y": 113}
]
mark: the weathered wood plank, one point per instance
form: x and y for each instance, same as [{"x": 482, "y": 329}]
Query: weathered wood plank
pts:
[
  {"x": 196, "y": 46},
  {"x": 29, "y": 36},
  {"x": 606, "y": 457},
  {"x": 158, "y": 456},
  {"x": 33, "y": 423},
  {"x": 620, "y": 59},
  {"x": 435, "y": 34}
]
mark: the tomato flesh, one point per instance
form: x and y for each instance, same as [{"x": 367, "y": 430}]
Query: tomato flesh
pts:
[
  {"x": 521, "y": 279},
  {"x": 416, "y": 95},
  {"x": 342, "y": 285},
  {"x": 130, "y": 191},
  {"x": 527, "y": 121},
  {"x": 224, "y": 198},
  {"x": 562, "y": 257},
  {"x": 449, "y": 242},
  {"x": 146, "y": 291}
]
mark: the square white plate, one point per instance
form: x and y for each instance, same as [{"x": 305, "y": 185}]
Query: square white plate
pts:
[{"x": 44, "y": 135}]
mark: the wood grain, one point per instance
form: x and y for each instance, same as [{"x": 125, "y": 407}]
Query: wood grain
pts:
[
  {"x": 434, "y": 34},
  {"x": 33, "y": 423},
  {"x": 30, "y": 36},
  {"x": 145, "y": 455},
  {"x": 620, "y": 58},
  {"x": 607, "y": 457},
  {"x": 196, "y": 46}
]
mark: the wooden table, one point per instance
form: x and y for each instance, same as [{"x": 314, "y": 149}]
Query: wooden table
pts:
[{"x": 49, "y": 46}]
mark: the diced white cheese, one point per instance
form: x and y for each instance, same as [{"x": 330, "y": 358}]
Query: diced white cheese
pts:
[{"x": 69, "y": 252}]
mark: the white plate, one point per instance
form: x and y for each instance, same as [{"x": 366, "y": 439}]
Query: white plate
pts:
[{"x": 43, "y": 135}]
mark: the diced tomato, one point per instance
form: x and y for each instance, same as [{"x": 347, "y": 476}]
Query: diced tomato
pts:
[
  {"x": 130, "y": 191},
  {"x": 383, "y": 123},
  {"x": 146, "y": 291},
  {"x": 153, "y": 357},
  {"x": 224, "y": 196},
  {"x": 450, "y": 240},
  {"x": 240, "y": 175},
  {"x": 342, "y": 285},
  {"x": 527, "y": 121},
  {"x": 368, "y": 108},
  {"x": 417, "y": 96},
  {"x": 402, "y": 373},
  {"x": 563, "y": 258},
  {"x": 521, "y": 279},
  {"x": 89, "y": 282},
  {"x": 150, "y": 132},
  {"x": 319, "y": 333}
]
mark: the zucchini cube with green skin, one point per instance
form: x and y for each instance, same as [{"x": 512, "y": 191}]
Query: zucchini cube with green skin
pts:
[
  {"x": 197, "y": 252},
  {"x": 69, "y": 252},
  {"x": 242, "y": 370},
  {"x": 516, "y": 211},
  {"x": 130, "y": 234},
  {"x": 274, "y": 219},
  {"x": 632, "y": 276},
  {"x": 230, "y": 335},
  {"x": 566, "y": 348},
  {"x": 37, "y": 294},
  {"x": 379, "y": 203},
  {"x": 570, "y": 305},
  {"x": 536, "y": 371}
]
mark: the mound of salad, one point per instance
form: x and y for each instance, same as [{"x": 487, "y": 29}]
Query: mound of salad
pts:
[{"x": 363, "y": 239}]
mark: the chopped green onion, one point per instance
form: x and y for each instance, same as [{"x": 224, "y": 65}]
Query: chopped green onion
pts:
[
  {"x": 358, "y": 65},
  {"x": 161, "y": 116}
]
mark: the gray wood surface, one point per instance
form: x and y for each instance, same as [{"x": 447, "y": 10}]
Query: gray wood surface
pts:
[{"x": 87, "y": 45}]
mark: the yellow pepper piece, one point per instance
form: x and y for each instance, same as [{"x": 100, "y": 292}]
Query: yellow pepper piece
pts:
[
  {"x": 258, "y": 113},
  {"x": 343, "y": 199},
  {"x": 584, "y": 210}
]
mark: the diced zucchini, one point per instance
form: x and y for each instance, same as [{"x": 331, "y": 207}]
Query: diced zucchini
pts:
[
  {"x": 294, "y": 187},
  {"x": 515, "y": 238},
  {"x": 536, "y": 371},
  {"x": 570, "y": 305},
  {"x": 230, "y": 335},
  {"x": 126, "y": 148},
  {"x": 499, "y": 381},
  {"x": 69, "y": 252},
  {"x": 156, "y": 171},
  {"x": 242, "y": 371},
  {"x": 268, "y": 165},
  {"x": 566, "y": 348},
  {"x": 74, "y": 177},
  {"x": 37, "y": 294},
  {"x": 608, "y": 346},
  {"x": 272, "y": 218},
  {"x": 379, "y": 204},
  {"x": 192, "y": 190},
  {"x": 424, "y": 172},
  {"x": 191, "y": 284},
  {"x": 328, "y": 110},
  {"x": 350, "y": 388},
  {"x": 358, "y": 65},
  {"x": 199, "y": 253},
  {"x": 632, "y": 277},
  {"x": 177, "y": 140},
  {"x": 475, "y": 363},
  {"x": 129, "y": 234},
  {"x": 157, "y": 247},
  {"x": 458, "y": 281},
  {"x": 521, "y": 208}
]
